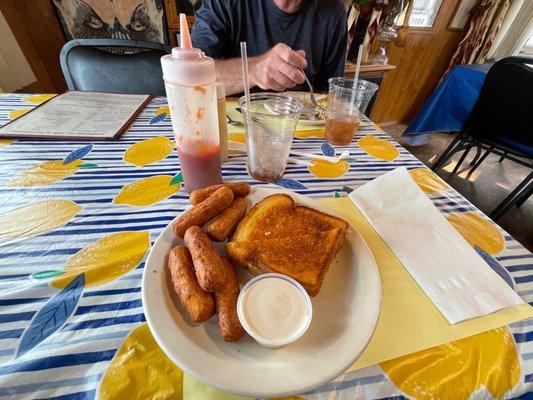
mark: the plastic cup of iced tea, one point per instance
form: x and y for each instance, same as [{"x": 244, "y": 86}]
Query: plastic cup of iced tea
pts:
[
  {"x": 269, "y": 122},
  {"x": 346, "y": 105}
]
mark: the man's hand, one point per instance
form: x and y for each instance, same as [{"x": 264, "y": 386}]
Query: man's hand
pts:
[{"x": 278, "y": 69}]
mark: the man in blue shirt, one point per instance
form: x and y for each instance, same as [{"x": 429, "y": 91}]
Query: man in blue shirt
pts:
[{"x": 285, "y": 38}]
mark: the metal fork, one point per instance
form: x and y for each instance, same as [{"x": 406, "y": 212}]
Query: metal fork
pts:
[{"x": 313, "y": 98}]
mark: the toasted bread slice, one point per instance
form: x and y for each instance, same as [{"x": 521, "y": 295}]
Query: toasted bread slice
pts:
[
  {"x": 305, "y": 258},
  {"x": 278, "y": 236},
  {"x": 277, "y": 216}
]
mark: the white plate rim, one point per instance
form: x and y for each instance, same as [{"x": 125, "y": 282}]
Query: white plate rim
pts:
[{"x": 298, "y": 388}]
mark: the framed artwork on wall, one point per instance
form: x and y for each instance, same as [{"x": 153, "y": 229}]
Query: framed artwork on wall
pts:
[{"x": 113, "y": 19}]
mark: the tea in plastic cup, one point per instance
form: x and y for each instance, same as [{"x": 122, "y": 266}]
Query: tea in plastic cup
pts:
[
  {"x": 269, "y": 122},
  {"x": 346, "y": 103}
]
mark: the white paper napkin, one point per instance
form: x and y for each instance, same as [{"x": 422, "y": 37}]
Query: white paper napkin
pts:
[{"x": 451, "y": 273}]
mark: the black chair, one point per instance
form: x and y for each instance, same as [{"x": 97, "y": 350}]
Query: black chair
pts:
[
  {"x": 501, "y": 122},
  {"x": 114, "y": 65}
]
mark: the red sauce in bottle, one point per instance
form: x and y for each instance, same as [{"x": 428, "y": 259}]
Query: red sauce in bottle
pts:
[{"x": 201, "y": 168}]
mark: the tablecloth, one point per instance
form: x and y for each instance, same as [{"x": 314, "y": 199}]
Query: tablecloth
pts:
[
  {"x": 77, "y": 220},
  {"x": 449, "y": 105}
]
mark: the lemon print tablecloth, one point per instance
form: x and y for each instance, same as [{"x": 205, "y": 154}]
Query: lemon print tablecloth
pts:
[{"x": 77, "y": 220}]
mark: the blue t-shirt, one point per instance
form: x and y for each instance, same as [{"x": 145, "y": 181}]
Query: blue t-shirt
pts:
[{"x": 318, "y": 27}]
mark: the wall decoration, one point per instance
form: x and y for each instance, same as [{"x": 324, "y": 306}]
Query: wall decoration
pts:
[{"x": 112, "y": 19}]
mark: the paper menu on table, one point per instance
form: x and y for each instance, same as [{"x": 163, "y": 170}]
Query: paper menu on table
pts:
[
  {"x": 455, "y": 278},
  {"x": 78, "y": 115}
]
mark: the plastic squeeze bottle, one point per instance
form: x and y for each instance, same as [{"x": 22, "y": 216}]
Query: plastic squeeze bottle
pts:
[{"x": 192, "y": 97}]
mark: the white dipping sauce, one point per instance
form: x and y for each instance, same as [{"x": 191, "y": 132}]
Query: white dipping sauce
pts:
[{"x": 275, "y": 310}]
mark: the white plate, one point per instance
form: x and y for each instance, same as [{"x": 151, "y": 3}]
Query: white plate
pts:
[{"x": 345, "y": 314}]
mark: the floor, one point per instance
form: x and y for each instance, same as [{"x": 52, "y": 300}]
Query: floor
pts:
[{"x": 487, "y": 186}]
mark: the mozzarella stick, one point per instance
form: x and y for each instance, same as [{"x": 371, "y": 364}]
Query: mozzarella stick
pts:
[
  {"x": 210, "y": 270},
  {"x": 222, "y": 226},
  {"x": 204, "y": 212},
  {"x": 239, "y": 189},
  {"x": 198, "y": 303},
  {"x": 226, "y": 303}
]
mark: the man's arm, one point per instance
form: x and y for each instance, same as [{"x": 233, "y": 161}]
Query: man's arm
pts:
[{"x": 278, "y": 69}]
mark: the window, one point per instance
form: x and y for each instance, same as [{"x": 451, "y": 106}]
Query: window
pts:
[
  {"x": 528, "y": 46},
  {"x": 424, "y": 13}
]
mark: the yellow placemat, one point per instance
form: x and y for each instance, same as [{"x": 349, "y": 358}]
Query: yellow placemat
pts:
[{"x": 409, "y": 322}]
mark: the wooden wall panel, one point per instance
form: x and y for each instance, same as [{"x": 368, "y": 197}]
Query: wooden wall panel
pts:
[
  {"x": 39, "y": 35},
  {"x": 47, "y": 36},
  {"x": 420, "y": 65}
]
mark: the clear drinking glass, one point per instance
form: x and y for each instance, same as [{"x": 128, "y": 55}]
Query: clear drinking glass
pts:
[
  {"x": 269, "y": 121},
  {"x": 346, "y": 104}
]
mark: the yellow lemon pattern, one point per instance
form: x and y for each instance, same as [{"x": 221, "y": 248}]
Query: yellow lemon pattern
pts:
[
  {"x": 45, "y": 173},
  {"x": 478, "y": 231},
  {"x": 162, "y": 110},
  {"x": 40, "y": 98},
  {"x": 37, "y": 218},
  {"x": 5, "y": 142},
  {"x": 237, "y": 137},
  {"x": 149, "y": 151},
  {"x": 147, "y": 191},
  {"x": 106, "y": 260},
  {"x": 14, "y": 114},
  {"x": 326, "y": 169},
  {"x": 456, "y": 370},
  {"x": 140, "y": 370},
  {"x": 311, "y": 133},
  {"x": 428, "y": 181},
  {"x": 378, "y": 148}
]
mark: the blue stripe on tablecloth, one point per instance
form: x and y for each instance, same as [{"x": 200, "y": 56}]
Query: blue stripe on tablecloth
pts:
[
  {"x": 49, "y": 362},
  {"x": 525, "y": 396},
  {"x": 111, "y": 292},
  {"x": 97, "y": 323},
  {"x": 515, "y": 257},
  {"x": 124, "y": 305},
  {"x": 12, "y": 317},
  {"x": 29, "y": 300},
  {"x": 523, "y": 279},
  {"x": 11, "y": 334},
  {"x": 516, "y": 268},
  {"x": 523, "y": 337},
  {"x": 12, "y": 277},
  {"x": 34, "y": 387}
]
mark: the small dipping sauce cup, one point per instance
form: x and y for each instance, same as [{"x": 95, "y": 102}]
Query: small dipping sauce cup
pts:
[{"x": 274, "y": 309}]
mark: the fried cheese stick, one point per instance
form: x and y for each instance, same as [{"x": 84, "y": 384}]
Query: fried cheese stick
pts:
[{"x": 198, "y": 303}]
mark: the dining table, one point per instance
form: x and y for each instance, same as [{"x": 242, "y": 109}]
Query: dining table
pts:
[{"x": 78, "y": 219}]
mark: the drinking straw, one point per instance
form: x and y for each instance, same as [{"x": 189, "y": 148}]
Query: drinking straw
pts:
[
  {"x": 244, "y": 58},
  {"x": 356, "y": 75}
]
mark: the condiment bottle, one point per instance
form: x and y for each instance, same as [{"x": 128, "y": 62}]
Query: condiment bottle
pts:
[
  {"x": 222, "y": 122},
  {"x": 190, "y": 83}
]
